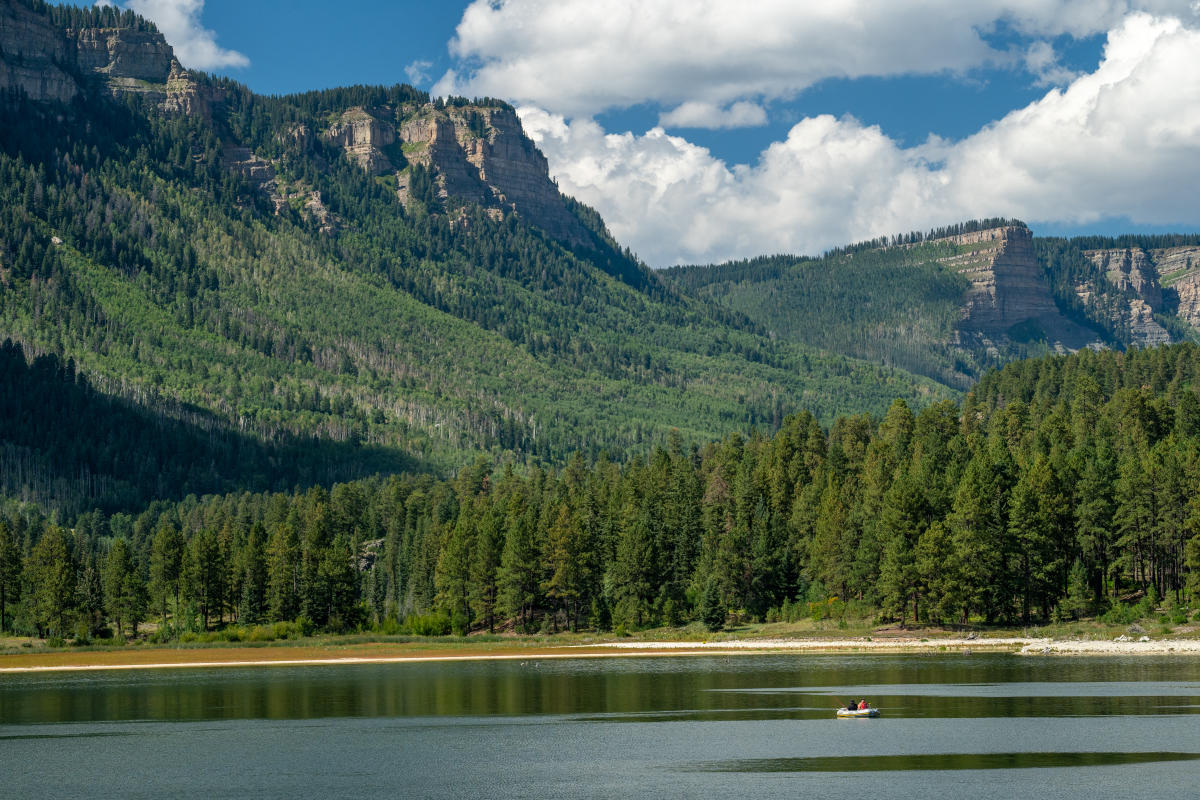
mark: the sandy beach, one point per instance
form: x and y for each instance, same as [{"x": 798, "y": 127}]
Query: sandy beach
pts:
[{"x": 385, "y": 653}]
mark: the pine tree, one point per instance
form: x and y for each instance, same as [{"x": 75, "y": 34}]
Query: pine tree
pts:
[
  {"x": 712, "y": 609},
  {"x": 903, "y": 519},
  {"x": 204, "y": 574},
  {"x": 50, "y": 583},
  {"x": 124, "y": 592},
  {"x": 166, "y": 568},
  {"x": 252, "y": 566},
  {"x": 519, "y": 574},
  {"x": 564, "y": 581},
  {"x": 283, "y": 574}
]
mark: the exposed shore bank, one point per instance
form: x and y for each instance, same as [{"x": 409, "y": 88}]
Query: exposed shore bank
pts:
[{"x": 384, "y": 653}]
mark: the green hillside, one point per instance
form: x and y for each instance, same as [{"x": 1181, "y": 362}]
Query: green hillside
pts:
[
  {"x": 129, "y": 245},
  {"x": 900, "y": 301},
  {"x": 892, "y": 305}
]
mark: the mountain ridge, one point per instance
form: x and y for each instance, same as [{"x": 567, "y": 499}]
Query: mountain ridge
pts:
[
  {"x": 953, "y": 303},
  {"x": 196, "y": 242}
]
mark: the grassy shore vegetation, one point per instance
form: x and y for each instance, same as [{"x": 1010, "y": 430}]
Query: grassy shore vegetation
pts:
[{"x": 1061, "y": 488}]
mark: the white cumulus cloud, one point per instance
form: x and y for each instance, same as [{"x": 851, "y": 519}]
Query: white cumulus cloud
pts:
[
  {"x": 418, "y": 71},
  {"x": 581, "y": 57},
  {"x": 1042, "y": 62},
  {"x": 195, "y": 46},
  {"x": 1123, "y": 140},
  {"x": 742, "y": 114}
]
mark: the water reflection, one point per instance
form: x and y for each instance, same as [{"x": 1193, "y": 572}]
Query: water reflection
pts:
[{"x": 620, "y": 690}]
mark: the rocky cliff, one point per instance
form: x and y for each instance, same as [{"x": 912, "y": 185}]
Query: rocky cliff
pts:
[
  {"x": 35, "y": 57},
  {"x": 475, "y": 154},
  {"x": 1178, "y": 270},
  {"x": 1133, "y": 284},
  {"x": 51, "y": 63},
  {"x": 122, "y": 54},
  {"x": 1009, "y": 294},
  {"x": 363, "y": 136},
  {"x": 1131, "y": 287}
]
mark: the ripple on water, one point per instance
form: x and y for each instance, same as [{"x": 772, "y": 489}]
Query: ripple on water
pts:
[{"x": 931, "y": 762}]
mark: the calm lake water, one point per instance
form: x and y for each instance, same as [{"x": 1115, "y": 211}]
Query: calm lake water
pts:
[{"x": 978, "y": 726}]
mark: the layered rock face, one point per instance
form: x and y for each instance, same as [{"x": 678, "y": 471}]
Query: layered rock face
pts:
[
  {"x": 1007, "y": 285},
  {"x": 519, "y": 174},
  {"x": 184, "y": 95},
  {"x": 433, "y": 141},
  {"x": 363, "y": 136},
  {"x": 1178, "y": 269},
  {"x": 31, "y": 55},
  {"x": 1130, "y": 270},
  {"x": 1008, "y": 288},
  {"x": 478, "y": 155},
  {"x": 1158, "y": 280},
  {"x": 255, "y": 170},
  {"x": 123, "y": 53},
  {"x": 46, "y": 62}
]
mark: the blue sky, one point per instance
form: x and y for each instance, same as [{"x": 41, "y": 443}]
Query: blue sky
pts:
[{"x": 711, "y": 129}]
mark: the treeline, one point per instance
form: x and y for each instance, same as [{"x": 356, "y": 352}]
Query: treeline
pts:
[
  {"x": 765, "y": 268},
  {"x": 1061, "y": 486},
  {"x": 97, "y": 16},
  {"x": 917, "y": 237}
]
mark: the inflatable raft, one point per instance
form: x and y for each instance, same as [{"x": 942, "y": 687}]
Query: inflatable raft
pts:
[{"x": 854, "y": 712}]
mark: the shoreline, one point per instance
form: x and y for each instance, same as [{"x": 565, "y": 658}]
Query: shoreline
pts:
[{"x": 376, "y": 653}]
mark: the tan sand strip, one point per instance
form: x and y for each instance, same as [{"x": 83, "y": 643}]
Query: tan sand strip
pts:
[{"x": 299, "y": 656}]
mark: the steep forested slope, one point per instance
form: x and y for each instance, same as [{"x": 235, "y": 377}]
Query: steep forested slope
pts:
[{"x": 195, "y": 243}]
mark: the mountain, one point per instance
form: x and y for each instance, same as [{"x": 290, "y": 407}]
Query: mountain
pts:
[
  {"x": 954, "y": 302},
  {"x": 360, "y": 266}
]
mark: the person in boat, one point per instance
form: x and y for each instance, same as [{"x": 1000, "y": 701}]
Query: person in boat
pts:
[{"x": 862, "y": 705}]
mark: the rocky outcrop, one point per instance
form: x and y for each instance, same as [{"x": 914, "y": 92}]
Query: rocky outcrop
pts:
[
  {"x": 1008, "y": 291},
  {"x": 432, "y": 140},
  {"x": 1187, "y": 292},
  {"x": 50, "y": 63},
  {"x": 183, "y": 94},
  {"x": 512, "y": 166},
  {"x": 475, "y": 154},
  {"x": 1178, "y": 270},
  {"x": 255, "y": 170},
  {"x": 1134, "y": 284},
  {"x": 315, "y": 207},
  {"x": 363, "y": 136},
  {"x": 1144, "y": 330},
  {"x": 1130, "y": 270},
  {"x": 480, "y": 154},
  {"x": 300, "y": 135},
  {"x": 123, "y": 53},
  {"x": 1007, "y": 285},
  {"x": 35, "y": 57}
]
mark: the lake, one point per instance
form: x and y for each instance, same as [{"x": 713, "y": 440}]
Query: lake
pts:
[{"x": 953, "y": 726}]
